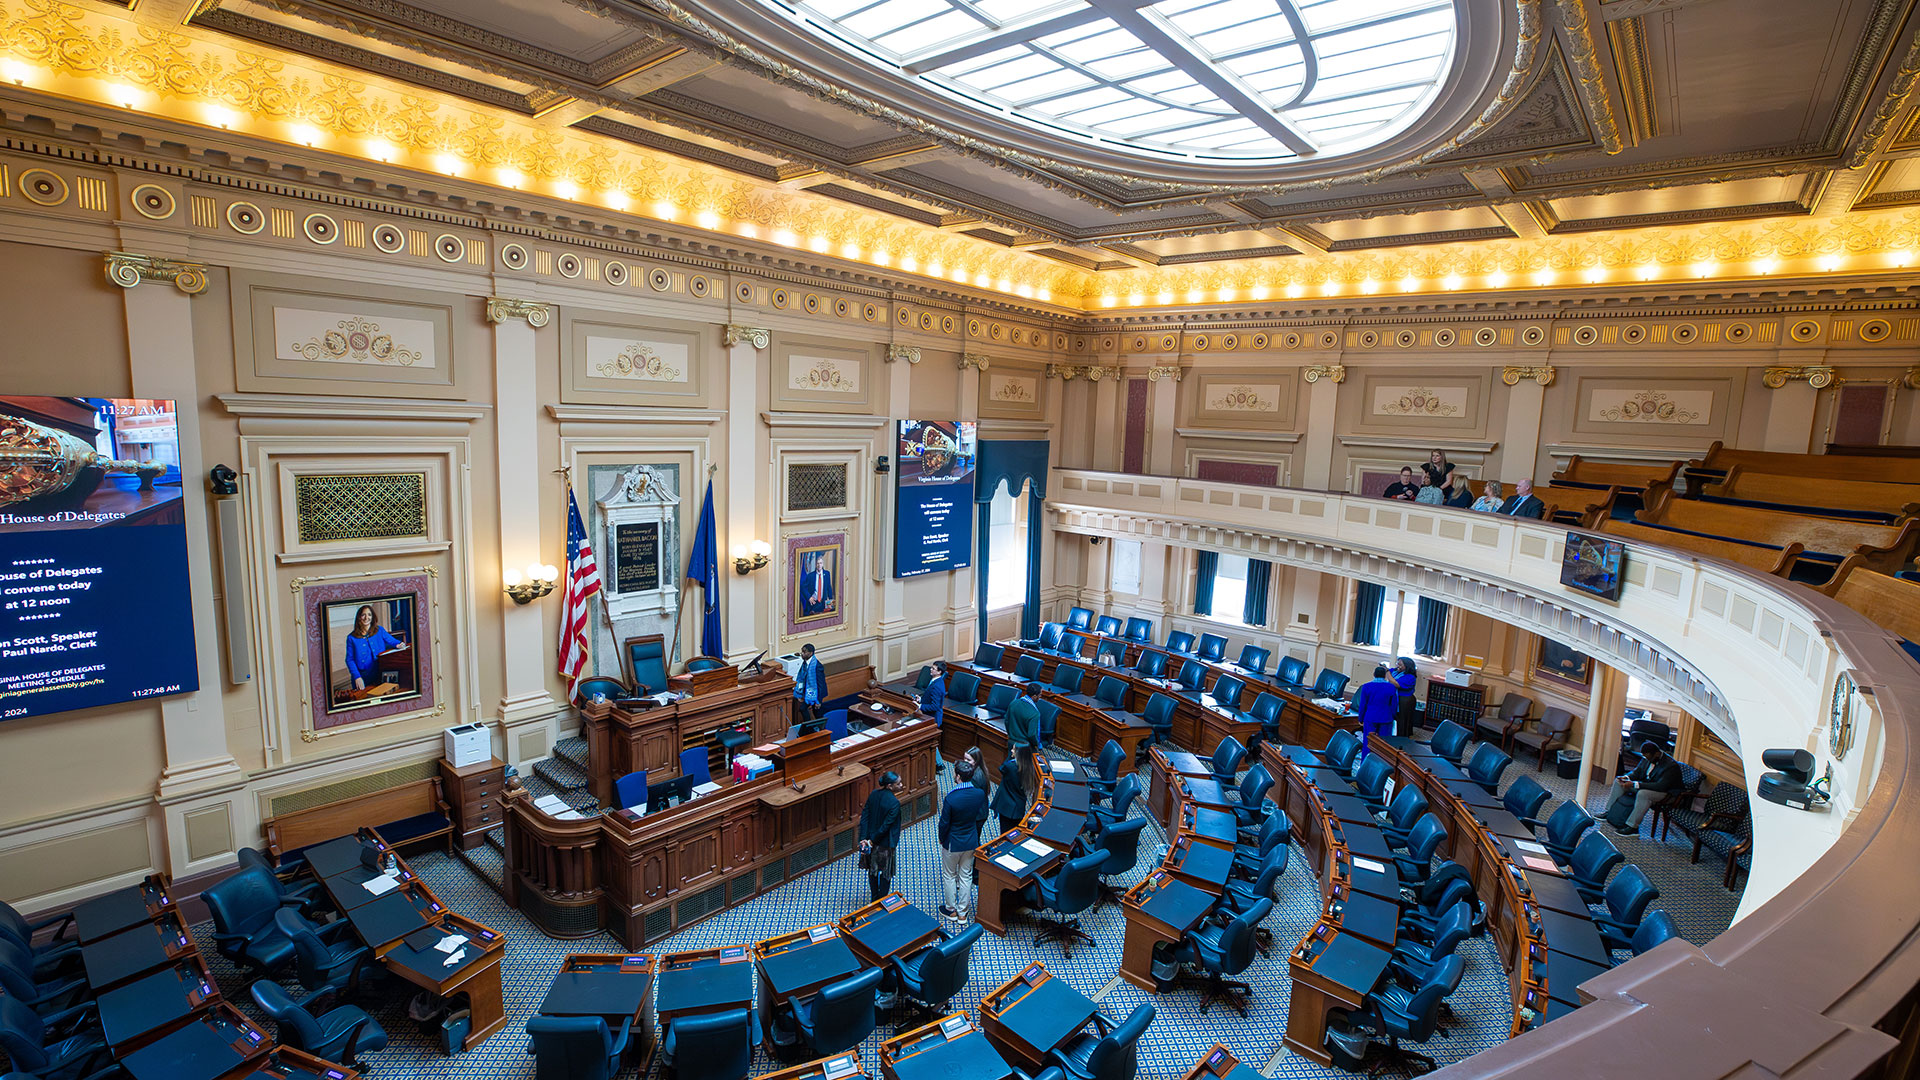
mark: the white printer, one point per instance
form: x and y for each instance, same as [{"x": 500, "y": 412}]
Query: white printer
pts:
[
  {"x": 467, "y": 744},
  {"x": 1459, "y": 676}
]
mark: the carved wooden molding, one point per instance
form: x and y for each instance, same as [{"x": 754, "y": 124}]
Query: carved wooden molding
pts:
[
  {"x": 1542, "y": 374},
  {"x": 126, "y": 270},
  {"x": 1335, "y": 373},
  {"x": 1818, "y": 376},
  {"x": 501, "y": 309},
  {"x": 757, "y": 336}
]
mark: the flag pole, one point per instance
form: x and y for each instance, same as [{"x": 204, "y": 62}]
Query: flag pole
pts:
[{"x": 680, "y": 609}]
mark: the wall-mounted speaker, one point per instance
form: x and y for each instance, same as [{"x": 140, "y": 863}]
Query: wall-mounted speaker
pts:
[{"x": 233, "y": 589}]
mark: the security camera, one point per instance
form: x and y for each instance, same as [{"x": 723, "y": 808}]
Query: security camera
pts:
[{"x": 222, "y": 478}]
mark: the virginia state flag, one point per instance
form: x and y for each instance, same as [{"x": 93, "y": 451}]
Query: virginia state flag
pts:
[{"x": 703, "y": 568}]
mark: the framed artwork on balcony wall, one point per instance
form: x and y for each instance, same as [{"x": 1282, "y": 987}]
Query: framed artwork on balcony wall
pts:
[{"x": 1563, "y": 664}]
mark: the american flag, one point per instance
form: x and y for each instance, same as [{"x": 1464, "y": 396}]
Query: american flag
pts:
[{"x": 583, "y": 580}]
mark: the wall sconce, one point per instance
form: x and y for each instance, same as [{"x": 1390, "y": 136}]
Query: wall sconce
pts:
[
  {"x": 532, "y": 585},
  {"x": 747, "y": 564}
]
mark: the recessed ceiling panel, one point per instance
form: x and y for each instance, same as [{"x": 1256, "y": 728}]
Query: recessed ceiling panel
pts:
[
  {"x": 1682, "y": 199},
  {"x": 556, "y": 27}
]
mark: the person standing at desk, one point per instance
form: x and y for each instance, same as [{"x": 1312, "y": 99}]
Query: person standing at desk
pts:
[
  {"x": 962, "y": 813},
  {"x": 1010, "y": 801},
  {"x": 880, "y": 833},
  {"x": 933, "y": 702},
  {"x": 1023, "y": 738},
  {"x": 809, "y": 687},
  {"x": 1377, "y": 704}
]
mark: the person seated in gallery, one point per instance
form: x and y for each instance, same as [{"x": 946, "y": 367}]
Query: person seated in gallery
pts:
[
  {"x": 1404, "y": 489},
  {"x": 1459, "y": 492},
  {"x": 1656, "y": 777},
  {"x": 1430, "y": 493},
  {"x": 1523, "y": 503},
  {"x": 366, "y": 642},
  {"x": 1490, "y": 498}
]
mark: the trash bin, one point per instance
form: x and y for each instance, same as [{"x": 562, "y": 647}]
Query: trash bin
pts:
[{"x": 1567, "y": 764}]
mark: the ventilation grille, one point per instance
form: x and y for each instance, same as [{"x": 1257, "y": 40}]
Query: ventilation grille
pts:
[
  {"x": 808, "y": 857},
  {"x": 573, "y": 919},
  {"x": 842, "y": 843},
  {"x": 773, "y": 874},
  {"x": 351, "y": 787},
  {"x": 740, "y": 888},
  {"x": 922, "y": 806},
  {"x": 360, "y": 506},
  {"x": 816, "y": 487},
  {"x": 656, "y": 924},
  {"x": 700, "y": 905}
]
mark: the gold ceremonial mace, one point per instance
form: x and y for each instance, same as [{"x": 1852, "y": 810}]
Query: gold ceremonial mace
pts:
[{"x": 37, "y": 460}]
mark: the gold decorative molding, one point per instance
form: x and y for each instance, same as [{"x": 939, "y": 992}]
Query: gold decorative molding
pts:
[
  {"x": 126, "y": 270},
  {"x": 1170, "y": 371},
  {"x": 535, "y": 312},
  {"x": 734, "y": 333},
  {"x": 975, "y": 361},
  {"x": 1818, "y": 376},
  {"x": 1089, "y": 372},
  {"x": 1542, "y": 374},
  {"x": 909, "y": 353},
  {"x": 1911, "y": 380},
  {"x": 1584, "y": 61},
  {"x": 1335, "y": 373}
]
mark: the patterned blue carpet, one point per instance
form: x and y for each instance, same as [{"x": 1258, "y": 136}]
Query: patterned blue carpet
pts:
[{"x": 1178, "y": 1036}]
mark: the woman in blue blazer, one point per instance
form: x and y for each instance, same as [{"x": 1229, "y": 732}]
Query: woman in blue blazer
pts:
[{"x": 368, "y": 640}]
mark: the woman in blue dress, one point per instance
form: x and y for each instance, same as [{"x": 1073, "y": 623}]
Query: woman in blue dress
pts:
[{"x": 368, "y": 640}]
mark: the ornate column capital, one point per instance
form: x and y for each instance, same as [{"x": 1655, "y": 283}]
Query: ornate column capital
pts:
[
  {"x": 1542, "y": 374},
  {"x": 1335, "y": 373},
  {"x": 757, "y": 336},
  {"x": 126, "y": 270},
  {"x": 976, "y": 361},
  {"x": 1170, "y": 371},
  {"x": 909, "y": 353},
  {"x": 501, "y": 309},
  {"x": 1911, "y": 380},
  {"x": 1818, "y": 376}
]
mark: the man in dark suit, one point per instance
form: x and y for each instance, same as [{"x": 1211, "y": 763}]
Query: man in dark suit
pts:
[
  {"x": 1523, "y": 503},
  {"x": 809, "y": 687},
  {"x": 816, "y": 588},
  {"x": 1656, "y": 777}
]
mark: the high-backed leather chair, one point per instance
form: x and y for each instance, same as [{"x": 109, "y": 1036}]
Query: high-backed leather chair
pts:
[
  {"x": 1450, "y": 740},
  {"x": 1253, "y": 658},
  {"x": 1524, "y": 797},
  {"x": 1223, "y": 951},
  {"x": 1594, "y": 857},
  {"x": 1140, "y": 630},
  {"x": 1152, "y": 664},
  {"x": 1370, "y": 782},
  {"x": 1399, "y": 1013},
  {"x": 1627, "y": 898},
  {"x": 576, "y": 1047},
  {"x": 840, "y": 1016},
  {"x": 1408, "y": 806},
  {"x": 1180, "y": 643},
  {"x": 24, "y": 1037},
  {"x": 1106, "y": 624},
  {"x": 339, "y": 1035},
  {"x": 647, "y": 663},
  {"x": 1565, "y": 826},
  {"x": 1292, "y": 671},
  {"x": 1330, "y": 684},
  {"x": 243, "y": 907},
  {"x": 1080, "y": 618},
  {"x": 930, "y": 978},
  {"x": 326, "y": 960},
  {"x": 1158, "y": 716},
  {"x": 710, "y": 1046},
  {"x": 1212, "y": 648},
  {"x": 1072, "y": 889},
  {"x": 630, "y": 790},
  {"x": 1121, "y": 841},
  {"x": 1107, "y": 1052},
  {"x": 1486, "y": 765},
  {"x": 1425, "y": 839}
]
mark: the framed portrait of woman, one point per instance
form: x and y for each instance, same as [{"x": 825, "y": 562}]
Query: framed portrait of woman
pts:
[
  {"x": 368, "y": 650},
  {"x": 1563, "y": 664}
]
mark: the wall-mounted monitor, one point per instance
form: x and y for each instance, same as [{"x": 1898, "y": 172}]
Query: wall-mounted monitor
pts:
[
  {"x": 933, "y": 483},
  {"x": 94, "y": 602},
  {"x": 1593, "y": 565}
]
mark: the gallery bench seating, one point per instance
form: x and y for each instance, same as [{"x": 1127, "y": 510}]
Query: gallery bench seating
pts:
[
  {"x": 1885, "y": 500},
  {"x": 1888, "y": 547},
  {"x": 1768, "y": 560},
  {"x": 404, "y": 815},
  {"x": 1720, "y": 460},
  {"x": 1892, "y": 602},
  {"x": 1583, "y": 473}
]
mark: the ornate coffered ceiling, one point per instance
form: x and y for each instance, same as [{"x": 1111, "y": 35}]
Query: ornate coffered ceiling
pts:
[{"x": 1693, "y": 137}]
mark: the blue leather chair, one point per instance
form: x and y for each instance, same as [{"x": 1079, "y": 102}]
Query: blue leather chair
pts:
[
  {"x": 1140, "y": 630},
  {"x": 1049, "y": 639},
  {"x": 306, "y": 893},
  {"x": 1226, "y": 760},
  {"x": 1112, "y": 652},
  {"x": 1100, "y": 818},
  {"x": 1072, "y": 644},
  {"x": 1107, "y": 1052},
  {"x": 1223, "y": 951},
  {"x": 1413, "y": 960},
  {"x": 576, "y": 1047},
  {"x": 986, "y": 657},
  {"x": 1151, "y": 665},
  {"x": 919, "y": 684},
  {"x": 705, "y": 663},
  {"x": 647, "y": 663},
  {"x": 1433, "y": 899},
  {"x": 1524, "y": 797},
  {"x": 21, "y": 981},
  {"x": 931, "y": 977},
  {"x": 1192, "y": 681},
  {"x": 1249, "y": 859},
  {"x": 62, "y": 1045},
  {"x": 1292, "y": 671},
  {"x": 610, "y": 688},
  {"x": 630, "y": 790},
  {"x": 1565, "y": 826},
  {"x": 963, "y": 690},
  {"x": 1627, "y": 898},
  {"x": 1227, "y": 692},
  {"x": 711, "y": 1046},
  {"x": 1111, "y": 694},
  {"x": 1399, "y": 1013},
  {"x": 693, "y": 760},
  {"x": 840, "y": 1016},
  {"x": 1239, "y": 897},
  {"x": 1425, "y": 838},
  {"x": 1158, "y": 716},
  {"x": 1079, "y": 618},
  {"x": 324, "y": 962},
  {"x": 339, "y": 1035},
  {"x": 1594, "y": 857},
  {"x": 1107, "y": 624},
  {"x": 1121, "y": 842},
  {"x": 1072, "y": 889},
  {"x": 243, "y": 907},
  {"x": 1409, "y": 805},
  {"x": 1049, "y": 721},
  {"x": 1450, "y": 740},
  {"x": 1106, "y": 767},
  {"x": 1342, "y": 751},
  {"x": 1067, "y": 679},
  {"x": 1212, "y": 648},
  {"x": 999, "y": 700},
  {"x": 1654, "y": 929},
  {"x": 15, "y": 927},
  {"x": 1370, "y": 781},
  {"x": 1027, "y": 668},
  {"x": 1266, "y": 710},
  {"x": 1329, "y": 684},
  {"x": 1486, "y": 765},
  {"x": 1253, "y": 658},
  {"x": 1253, "y": 807}
]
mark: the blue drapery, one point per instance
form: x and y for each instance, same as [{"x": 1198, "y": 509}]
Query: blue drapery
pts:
[
  {"x": 1368, "y": 602},
  {"x": 1430, "y": 628},
  {"x": 1016, "y": 463},
  {"x": 1206, "y": 567},
  {"x": 1259, "y": 572}
]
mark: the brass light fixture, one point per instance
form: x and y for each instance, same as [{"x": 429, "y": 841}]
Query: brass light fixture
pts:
[
  {"x": 745, "y": 563},
  {"x": 536, "y": 582}
]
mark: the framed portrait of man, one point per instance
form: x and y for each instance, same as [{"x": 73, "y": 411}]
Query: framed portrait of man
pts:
[{"x": 815, "y": 586}]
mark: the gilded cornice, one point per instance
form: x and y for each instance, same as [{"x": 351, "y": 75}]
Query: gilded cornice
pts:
[
  {"x": 127, "y": 270},
  {"x": 1583, "y": 56},
  {"x": 909, "y": 353},
  {"x": 1333, "y": 373},
  {"x": 534, "y": 312},
  {"x": 734, "y": 333},
  {"x": 975, "y": 361},
  {"x": 1818, "y": 376},
  {"x": 1542, "y": 374}
]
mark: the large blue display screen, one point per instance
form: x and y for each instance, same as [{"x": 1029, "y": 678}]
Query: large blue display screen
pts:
[
  {"x": 933, "y": 525},
  {"x": 94, "y": 603}
]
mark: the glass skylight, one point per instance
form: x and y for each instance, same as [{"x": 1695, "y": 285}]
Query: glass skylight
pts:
[{"x": 1223, "y": 81}]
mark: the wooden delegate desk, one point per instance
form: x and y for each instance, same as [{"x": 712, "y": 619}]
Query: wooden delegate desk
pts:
[
  {"x": 1173, "y": 899},
  {"x": 950, "y": 1048},
  {"x": 1330, "y": 969},
  {"x": 286, "y": 1063},
  {"x": 839, "y": 1067},
  {"x": 1007, "y": 865},
  {"x": 1162, "y": 766},
  {"x": 795, "y": 966},
  {"x": 122, "y": 909},
  {"x": 1160, "y": 910},
  {"x": 138, "y": 1012},
  {"x": 1033, "y": 1014},
  {"x": 219, "y": 1042},
  {"x": 887, "y": 929},
  {"x": 702, "y": 981},
  {"x": 646, "y": 877},
  {"x": 136, "y": 951},
  {"x": 617, "y": 987},
  {"x": 631, "y": 738},
  {"x": 1220, "y": 1063}
]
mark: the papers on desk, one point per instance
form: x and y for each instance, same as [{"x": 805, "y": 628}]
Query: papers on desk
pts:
[
  {"x": 1011, "y": 863},
  {"x": 837, "y": 1067},
  {"x": 450, "y": 942},
  {"x": 1328, "y": 703},
  {"x": 455, "y": 958},
  {"x": 1061, "y": 768},
  {"x": 570, "y": 815},
  {"x": 1528, "y": 846},
  {"x": 707, "y": 788},
  {"x": 1370, "y": 865},
  {"x": 551, "y": 804},
  {"x": 380, "y": 885},
  {"x": 1534, "y": 862},
  {"x": 1034, "y": 847}
]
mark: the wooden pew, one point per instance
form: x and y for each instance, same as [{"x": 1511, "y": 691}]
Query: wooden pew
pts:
[
  {"x": 1767, "y": 560},
  {"x": 420, "y": 805},
  {"x": 1813, "y": 494},
  {"x": 1719, "y": 460},
  {"x": 1889, "y": 546},
  {"x": 1580, "y": 472},
  {"x": 1892, "y": 602}
]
